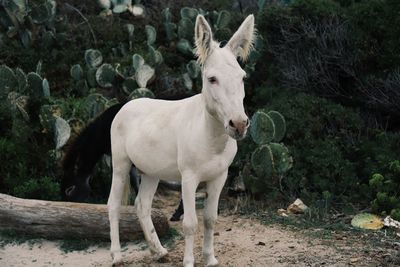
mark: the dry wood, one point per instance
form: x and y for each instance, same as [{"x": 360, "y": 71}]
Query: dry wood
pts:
[{"x": 51, "y": 219}]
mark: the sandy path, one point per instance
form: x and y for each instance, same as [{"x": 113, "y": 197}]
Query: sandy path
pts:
[{"x": 238, "y": 242}]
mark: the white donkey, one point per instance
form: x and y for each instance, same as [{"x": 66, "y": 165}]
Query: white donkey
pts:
[{"x": 193, "y": 140}]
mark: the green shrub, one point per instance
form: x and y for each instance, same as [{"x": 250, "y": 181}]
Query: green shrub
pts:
[
  {"x": 387, "y": 188},
  {"x": 43, "y": 188},
  {"x": 348, "y": 52},
  {"x": 322, "y": 137}
]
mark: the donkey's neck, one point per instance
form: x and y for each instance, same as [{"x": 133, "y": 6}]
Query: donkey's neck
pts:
[{"x": 214, "y": 128}]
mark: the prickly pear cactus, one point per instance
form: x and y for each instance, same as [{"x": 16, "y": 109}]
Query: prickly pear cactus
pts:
[
  {"x": 93, "y": 58},
  {"x": 156, "y": 57},
  {"x": 8, "y": 81},
  {"x": 279, "y": 123},
  {"x": 137, "y": 61},
  {"x": 76, "y": 72},
  {"x": 105, "y": 75},
  {"x": 62, "y": 132},
  {"x": 262, "y": 128},
  {"x": 189, "y": 13},
  {"x": 141, "y": 93},
  {"x": 184, "y": 47},
  {"x": 129, "y": 85},
  {"x": 151, "y": 34},
  {"x": 143, "y": 74},
  {"x": 21, "y": 79},
  {"x": 224, "y": 17},
  {"x": 193, "y": 69},
  {"x": 269, "y": 159},
  {"x": 185, "y": 29},
  {"x": 262, "y": 161},
  {"x": 282, "y": 161},
  {"x": 95, "y": 104},
  {"x": 187, "y": 81},
  {"x": 35, "y": 85}
]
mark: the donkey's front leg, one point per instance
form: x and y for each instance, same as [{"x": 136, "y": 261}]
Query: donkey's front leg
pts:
[
  {"x": 214, "y": 188},
  {"x": 189, "y": 186}
]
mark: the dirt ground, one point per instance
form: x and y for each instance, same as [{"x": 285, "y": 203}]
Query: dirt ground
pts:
[{"x": 238, "y": 242}]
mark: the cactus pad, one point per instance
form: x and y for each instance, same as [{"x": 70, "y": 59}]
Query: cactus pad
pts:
[
  {"x": 143, "y": 74},
  {"x": 280, "y": 125},
  {"x": 262, "y": 161},
  {"x": 262, "y": 128},
  {"x": 8, "y": 81},
  {"x": 105, "y": 75},
  {"x": 140, "y": 93},
  {"x": 93, "y": 58}
]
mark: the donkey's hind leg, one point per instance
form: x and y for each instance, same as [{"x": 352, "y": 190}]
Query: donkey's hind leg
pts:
[
  {"x": 121, "y": 166},
  {"x": 144, "y": 199}
]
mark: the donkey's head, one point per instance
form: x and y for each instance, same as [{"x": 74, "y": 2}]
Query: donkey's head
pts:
[{"x": 223, "y": 87}]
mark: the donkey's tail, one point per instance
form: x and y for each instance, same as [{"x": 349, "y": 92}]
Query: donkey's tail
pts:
[
  {"x": 127, "y": 193},
  {"x": 87, "y": 148}
]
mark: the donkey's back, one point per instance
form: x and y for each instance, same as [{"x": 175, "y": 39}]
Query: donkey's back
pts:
[{"x": 147, "y": 131}]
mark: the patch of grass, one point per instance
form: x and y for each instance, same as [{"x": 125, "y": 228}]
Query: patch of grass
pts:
[
  {"x": 14, "y": 238},
  {"x": 69, "y": 245},
  {"x": 168, "y": 240}
]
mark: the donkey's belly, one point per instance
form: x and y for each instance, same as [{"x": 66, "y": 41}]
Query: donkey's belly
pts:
[{"x": 153, "y": 156}]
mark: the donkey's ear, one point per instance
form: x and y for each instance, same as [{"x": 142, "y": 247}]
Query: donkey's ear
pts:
[
  {"x": 242, "y": 41},
  {"x": 203, "y": 39}
]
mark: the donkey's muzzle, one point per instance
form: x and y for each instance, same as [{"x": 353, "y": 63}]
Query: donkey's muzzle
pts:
[{"x": 239, "y": 127}]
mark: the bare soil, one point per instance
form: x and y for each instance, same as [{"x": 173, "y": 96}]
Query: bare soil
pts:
[{"x": 239, "y": 241}]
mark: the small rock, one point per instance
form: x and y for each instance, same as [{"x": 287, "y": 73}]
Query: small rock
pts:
[
  {"x": 229, "y": 229},
  {"x": 216, "y": 234},
  {"x": 354, "y": 260},
  {"x": 260, "y": 244},
  {"x": 283, "y": 213},
  {"x": 297, "y": 207}
]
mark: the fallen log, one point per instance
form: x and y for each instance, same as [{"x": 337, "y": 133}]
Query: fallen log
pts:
[{"x": 52, "y": 219}]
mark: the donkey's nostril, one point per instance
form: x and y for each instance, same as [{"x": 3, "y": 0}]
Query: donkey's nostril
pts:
[
  {"x": 247, "y": 122},
  {"x": 231, "y": 123}
]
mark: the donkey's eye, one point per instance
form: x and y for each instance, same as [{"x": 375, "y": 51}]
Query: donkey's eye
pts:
[{"x": 212, "y": 80}]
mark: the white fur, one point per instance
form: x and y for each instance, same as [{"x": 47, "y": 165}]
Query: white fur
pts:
[{"x": 189, "y": 140}]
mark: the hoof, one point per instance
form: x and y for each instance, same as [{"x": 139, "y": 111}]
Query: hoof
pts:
[
  {"x": 118, "y": 264},
  {"x": 117, "y": 259},
  {"x": 188, "y": 263},
  {"x": 211, "y": 261},
  {"x": 160, "y": 254}
]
